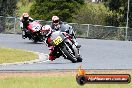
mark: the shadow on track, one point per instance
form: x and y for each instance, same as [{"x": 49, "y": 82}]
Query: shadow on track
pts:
[
  {"x": 58, "y": 63},
  {"x": 32, "y": 43}
]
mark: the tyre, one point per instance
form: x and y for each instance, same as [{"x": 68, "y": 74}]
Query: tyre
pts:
[
  {"x": 69, "y": 56},
  {"x": 79, "y": 59}
]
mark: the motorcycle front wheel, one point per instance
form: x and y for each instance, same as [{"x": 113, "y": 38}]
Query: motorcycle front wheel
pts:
[{"x": 69, "y": 55}]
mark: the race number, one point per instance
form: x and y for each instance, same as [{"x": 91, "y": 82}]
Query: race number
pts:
[
  {"x": 36, "y": 27},
  {"x": 58, "y": 40}
]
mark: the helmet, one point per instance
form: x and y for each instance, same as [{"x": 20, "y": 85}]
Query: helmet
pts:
[
  {"x": 55, "y": 20},
  {"x": 25, "y": 16},
  {"x": 47, "y": 30}
]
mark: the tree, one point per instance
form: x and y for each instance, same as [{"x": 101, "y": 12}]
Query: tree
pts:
[
  {"x": 7, "y": 8},
  {"x": 92, "y": 13},
  {"x": 119, "y": 8},
  {"x": 23, "y": 6},
  {"x": 45, "y": 9}
]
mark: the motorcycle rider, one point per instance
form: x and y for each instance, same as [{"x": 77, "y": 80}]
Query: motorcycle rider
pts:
[
  {"x": 47, "y": 32},
  {"x": 24, "y": 21},
  {"x": 57, "y": 25}
]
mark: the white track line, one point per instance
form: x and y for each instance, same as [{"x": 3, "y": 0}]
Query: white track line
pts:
[{"x": 42, "y": 58}]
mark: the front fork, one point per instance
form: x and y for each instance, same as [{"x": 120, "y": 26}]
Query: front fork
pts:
[{"x": 76, "y": 50}]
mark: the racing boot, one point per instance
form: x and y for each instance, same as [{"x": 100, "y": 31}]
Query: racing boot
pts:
[
  {"x": 51, "y": 56},
  {"x": 23, "y": 34}
]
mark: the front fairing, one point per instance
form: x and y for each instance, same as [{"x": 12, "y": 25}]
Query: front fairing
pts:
[{"x": 57, "y": 37}]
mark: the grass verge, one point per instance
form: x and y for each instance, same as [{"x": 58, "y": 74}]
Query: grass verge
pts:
[
  {"x": 52, "y": 80},
  {"x": 8, "y": 55}
]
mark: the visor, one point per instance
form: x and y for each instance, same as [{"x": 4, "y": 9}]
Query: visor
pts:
[
  {"x": 56, "y": 21},
  {"x": 25, "y": 18}
]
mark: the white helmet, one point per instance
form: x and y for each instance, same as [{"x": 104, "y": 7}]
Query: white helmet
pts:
[
  {"x": 47, "y": 30},
  {"x": 55, "y": 20}
]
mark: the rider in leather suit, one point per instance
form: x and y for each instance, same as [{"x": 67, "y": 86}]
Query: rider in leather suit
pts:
[
  {"x": 24, "y": 21},
  {"x": 58, "y": 25}
]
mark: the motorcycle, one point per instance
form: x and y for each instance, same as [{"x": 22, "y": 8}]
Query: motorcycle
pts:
[
  {"x": 34, "y": 32},
  {"x": 63, "y": 46}
]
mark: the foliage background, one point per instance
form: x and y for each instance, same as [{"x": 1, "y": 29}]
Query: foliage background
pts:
[
  {"x": 93, "y": 13},
  {"x": 119, "y": 10},
  {"x": 23, "y": 6},
  {"x": 45, "y": 9},
  {"x": 108, "y": 12}
]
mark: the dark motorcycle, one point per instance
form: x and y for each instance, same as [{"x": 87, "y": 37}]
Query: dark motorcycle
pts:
[
  {"x": 63, "y": 46},
  {"x": 34, "y": 32}
]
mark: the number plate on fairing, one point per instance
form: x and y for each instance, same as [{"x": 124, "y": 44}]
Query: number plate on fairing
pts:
[{"x": 58, "y": 40}]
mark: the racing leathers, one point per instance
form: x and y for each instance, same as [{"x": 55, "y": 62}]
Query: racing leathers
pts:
[
  {"x": 23, "y": 24},
  {"x": 52, "y": 50},
  {"x": 66, "y": 28}
]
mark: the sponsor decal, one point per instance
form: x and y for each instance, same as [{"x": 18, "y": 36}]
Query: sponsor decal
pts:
[{"x": 82, "y": 78}]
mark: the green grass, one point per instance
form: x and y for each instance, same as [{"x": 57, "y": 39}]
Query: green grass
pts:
[
  {"x": 8, "y": 55},
  {"x": 41, "y": 81},
  {"x": 52, "y": 82}
]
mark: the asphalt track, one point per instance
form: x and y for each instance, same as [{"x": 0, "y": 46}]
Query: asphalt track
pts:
[{"x": 96, "y": 54}]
